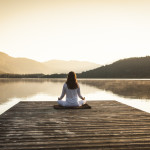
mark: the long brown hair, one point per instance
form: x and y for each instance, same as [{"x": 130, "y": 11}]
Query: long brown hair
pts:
[{"x": 72, "y": 81}]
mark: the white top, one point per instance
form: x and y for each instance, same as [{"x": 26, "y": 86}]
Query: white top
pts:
[{"x": 71, "y": 94}]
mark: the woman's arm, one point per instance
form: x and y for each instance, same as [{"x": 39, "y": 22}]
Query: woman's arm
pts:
[
  {"x": 79, "y": 94},
  {"x": 63, "y": 93}
]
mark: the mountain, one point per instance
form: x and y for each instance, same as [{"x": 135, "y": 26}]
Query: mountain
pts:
[
  {"x": 10, "y": 64},
  {"x": 20, "y": 65},
  {"x": 125, "y": 68},
  {"x": 2, "y": 72},
  {"x": 60, "y": 66}
]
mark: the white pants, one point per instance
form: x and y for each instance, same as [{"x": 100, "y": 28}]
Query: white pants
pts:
[{"x": 65, "y": 103}]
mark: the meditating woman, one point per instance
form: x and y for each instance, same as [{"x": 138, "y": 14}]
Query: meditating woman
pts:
[{"x": 72, "y": 90}]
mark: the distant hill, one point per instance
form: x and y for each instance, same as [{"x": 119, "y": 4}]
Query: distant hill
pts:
[
  {"x": 10, "y": 64},
  {"x": 2, "y": 72},
  {"x": 125, "y": 68},
  {"x": 61, "y": 66},
  {"x": 20, "y": 65}
]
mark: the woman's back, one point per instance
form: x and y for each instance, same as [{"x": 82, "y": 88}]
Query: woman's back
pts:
[{"x": 72, "y": 93}]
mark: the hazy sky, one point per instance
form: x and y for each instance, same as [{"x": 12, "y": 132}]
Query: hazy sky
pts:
[{"x": 100, "y": 31}]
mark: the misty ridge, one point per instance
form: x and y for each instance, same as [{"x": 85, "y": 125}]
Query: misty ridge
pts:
[{"x": 11, "y": 65}]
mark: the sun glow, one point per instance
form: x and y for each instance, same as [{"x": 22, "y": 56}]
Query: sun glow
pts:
[{"x": 98, "y": 31}]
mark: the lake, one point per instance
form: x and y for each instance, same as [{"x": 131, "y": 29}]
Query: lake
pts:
[{"x": 133, "y": 92}]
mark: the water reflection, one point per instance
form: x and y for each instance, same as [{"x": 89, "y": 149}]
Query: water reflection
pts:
[
  {"x": 15, "y": 90},
  {"x": 25, "y": 88},
  {"x": 137, "y": 89}
]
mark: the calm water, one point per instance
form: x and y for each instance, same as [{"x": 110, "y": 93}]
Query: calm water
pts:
[{"x": 135, "y": 93}]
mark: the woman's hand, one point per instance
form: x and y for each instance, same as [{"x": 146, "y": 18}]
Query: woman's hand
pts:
[{"x": 83, "y": 98}]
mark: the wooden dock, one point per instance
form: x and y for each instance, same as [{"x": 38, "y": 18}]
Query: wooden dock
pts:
[{"x": 108, "y": 125}]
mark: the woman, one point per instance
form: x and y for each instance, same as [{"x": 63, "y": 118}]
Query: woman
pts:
[{"x": 72, "y": 90}]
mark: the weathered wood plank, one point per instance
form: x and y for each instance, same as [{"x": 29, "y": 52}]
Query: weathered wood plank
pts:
[{"x": 108, "y": 125}]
